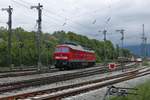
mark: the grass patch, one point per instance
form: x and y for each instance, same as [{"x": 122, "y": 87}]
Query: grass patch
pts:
[{"x": 143, "y": 93}]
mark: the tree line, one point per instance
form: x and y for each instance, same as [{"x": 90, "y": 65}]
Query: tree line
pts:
[{"x": 24, "y": 46}]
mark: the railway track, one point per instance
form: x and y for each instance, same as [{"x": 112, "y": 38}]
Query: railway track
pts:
[
  {"x": 27, "y": 72},
  {"x": 8, "y": 87},
  {"x": 24, "y": 72},
  {"x": 82, "y": 89},
  {"x": 79, "y": 87},
  {"x": 31, "y": 71},
  {"x": 5, "y": 87},
  {"x": 19, "y": 70}
]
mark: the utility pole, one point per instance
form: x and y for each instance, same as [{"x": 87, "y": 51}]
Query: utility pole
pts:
[
  {"x": 39, "y": 21},
  {"x": 105, "y": 50},
  {"x": 104, "y": 32},
  {"x": 146, "y": 52},
  {"x": 21, "y": 45},
  {"x": 121, "y": 55},
  {"x": 144, "y": 42},
  {"x": 9, "y": 10},
  {"x": 122, "y": 39}
]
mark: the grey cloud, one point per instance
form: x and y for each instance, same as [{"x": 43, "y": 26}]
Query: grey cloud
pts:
[{"x": 80, "y": 14}]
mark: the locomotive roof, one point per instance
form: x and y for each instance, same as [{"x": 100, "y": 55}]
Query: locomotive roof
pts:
[{"x": 77, "y": 47}]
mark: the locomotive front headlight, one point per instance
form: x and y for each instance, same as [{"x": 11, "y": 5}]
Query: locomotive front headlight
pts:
[
  {"x": 65, "y": 57},
  {"x": 61, "y": 57}
]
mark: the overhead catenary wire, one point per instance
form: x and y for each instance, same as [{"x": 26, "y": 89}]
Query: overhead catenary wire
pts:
[
  {"x": 61, "y": 21},
  {"x": 60, "y": 16},
  {"x": 54, "y": 21},
  {"x": 22, "y": 5},
  {"x": 50, "y": 12}
]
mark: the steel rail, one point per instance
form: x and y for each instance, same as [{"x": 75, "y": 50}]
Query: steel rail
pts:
[
  {"x": 6, "y": 87},
  {"x": 68, "y": 86},
  {"x": 19, "y": 70},
  {"x": 83, "y": 89},
  {"x": 24, "y": 73},
  {"x": 33, "y": 72}
]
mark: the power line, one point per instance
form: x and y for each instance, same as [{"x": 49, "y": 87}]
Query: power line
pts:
[
  {"x": 68, "y": 20},
  {"x": 56, "y": 20},
  {"x": 60, "y": 16},
  {"x": 73, "y": 22},
  {"x": 21, "y": 4}
]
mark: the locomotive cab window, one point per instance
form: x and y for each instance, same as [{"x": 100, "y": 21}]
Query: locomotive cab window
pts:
[{"x": 62, "y": 49}]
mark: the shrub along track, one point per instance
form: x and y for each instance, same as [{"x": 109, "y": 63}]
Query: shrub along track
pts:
[{"x": 115, "y": 79}]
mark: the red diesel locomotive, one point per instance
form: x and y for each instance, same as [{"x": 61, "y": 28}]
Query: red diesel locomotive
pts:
[{"x": 70, "y": 56}]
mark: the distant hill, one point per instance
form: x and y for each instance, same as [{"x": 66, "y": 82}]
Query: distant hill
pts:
[{"x": 136, "y": 49}]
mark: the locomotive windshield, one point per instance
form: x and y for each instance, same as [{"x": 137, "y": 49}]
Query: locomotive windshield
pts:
[{"x": 62, "y": 49}]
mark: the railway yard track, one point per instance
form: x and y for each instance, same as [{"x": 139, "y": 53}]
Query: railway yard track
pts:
[
  {"x": 5, "y": 87},
  {"x": 87, "y": 87},
  {"x": 19, "y": 70},
  {"x": 74, "y": 89},
  {"x": 10, "y": 86},
  {"x": 29, "y": 71},
  {"x": 26, "y": 72},
  {"x": 21, "y": 84}
]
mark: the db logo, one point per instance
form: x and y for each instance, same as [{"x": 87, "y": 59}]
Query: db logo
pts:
[{"x": 112, "y": 66}]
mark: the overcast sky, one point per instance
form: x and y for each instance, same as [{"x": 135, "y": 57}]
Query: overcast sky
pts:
[{"x": 85, "y": 17}]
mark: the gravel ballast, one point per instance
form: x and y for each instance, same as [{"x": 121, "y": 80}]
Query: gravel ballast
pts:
[
  {"x": 63, "y": 83},
  {"x": 28, "y": 77},
  {"x": 99, "y": 94}
]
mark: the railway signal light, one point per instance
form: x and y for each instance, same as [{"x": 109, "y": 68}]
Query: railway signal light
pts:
[{"x": 112, "y": 66}]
